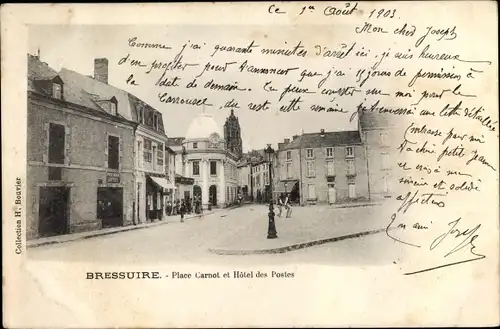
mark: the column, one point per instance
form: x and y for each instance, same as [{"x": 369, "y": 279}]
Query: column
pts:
[
  {"x": 204, "y": 189},
  {"x": 222, "y": 184}
]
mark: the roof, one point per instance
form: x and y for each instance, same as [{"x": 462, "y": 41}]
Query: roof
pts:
[
  {"x": 370, "y": 120},
  {"x": 316, "y": 140},
  {"x": 38, "y": 70},
  {"x": 202, "y": 126},
  {"x": 175, "y": 141},
  {"x": 83, "y": 90}
]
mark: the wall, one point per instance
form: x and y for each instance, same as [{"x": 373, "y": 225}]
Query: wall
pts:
[{"x": 84, "y": 167}]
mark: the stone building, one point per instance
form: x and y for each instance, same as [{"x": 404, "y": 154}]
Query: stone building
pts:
[
  {"x": 232, "y": 135},
  {"x": 80, "y": 172},
  {"x": 210, "y": 163},
  {"x": 183, "y": 184},
  {"x": 148, "y": 147},
  {"x": 378, "y": 134},
  {"x": 323, "y": 167}
]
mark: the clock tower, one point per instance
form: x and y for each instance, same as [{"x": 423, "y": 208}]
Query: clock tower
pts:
[{"x": 232, "y": 135}]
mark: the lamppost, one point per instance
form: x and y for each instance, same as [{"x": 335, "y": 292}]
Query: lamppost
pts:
[{"x": 271, "y": 230}]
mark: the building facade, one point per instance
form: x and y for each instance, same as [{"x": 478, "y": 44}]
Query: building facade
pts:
[
  {"x": 377, "y": 132},
  {"x": 324, "y": 167},
  {"x": 148, "y": 147},
  {"x": 183, "y": 184},
  {"x": 209, "y": 163},
  {"x": 79, "y": 172}
]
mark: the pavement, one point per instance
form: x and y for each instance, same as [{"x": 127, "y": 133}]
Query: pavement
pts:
[
  {"x": 106, "y": 231},
  {"x": 308, "y": 226}
]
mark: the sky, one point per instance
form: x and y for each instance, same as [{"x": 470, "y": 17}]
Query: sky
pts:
[{"x": 76, "y": 47}]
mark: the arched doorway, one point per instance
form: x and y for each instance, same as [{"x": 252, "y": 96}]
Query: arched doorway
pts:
[
  {"x": 197, "y": 192},
  {"x": 212, "y": 194}
]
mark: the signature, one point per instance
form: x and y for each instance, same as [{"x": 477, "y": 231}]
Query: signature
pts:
[{"x": 465, "y": 239}]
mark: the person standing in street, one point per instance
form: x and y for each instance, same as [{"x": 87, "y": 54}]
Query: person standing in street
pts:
[
  {"x": 288, "y": 206},
  {"x": 182, "y": 210},
  {"x": 280, "y": 204}
]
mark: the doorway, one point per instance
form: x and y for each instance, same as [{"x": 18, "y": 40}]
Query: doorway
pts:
[
  {"x": 53, "y": 211},
  {"x": 332, "y": 194},
  {"x": 212, "y": 192},
  {"x": 110, "y": 206}
]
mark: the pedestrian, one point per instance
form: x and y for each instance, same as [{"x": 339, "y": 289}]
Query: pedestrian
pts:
[
  {"x": 240, "y": 198},
  {"x": 280, "y": 204},
  {"x": 288, "y": 206},
  {"x": 182, "y": 210}
]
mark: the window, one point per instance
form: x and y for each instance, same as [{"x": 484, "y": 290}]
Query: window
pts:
[
  {"x": 112, "y": 108},
  {"x": 383, "y": 139},
  {"x": 288, "y": 155},
  {"x": 148, "y": 146},
  {"x": 329, "y": 152},
  {"x": 351, "y": 168},
  {"x": 349, "y": 152},
  {"x": 160, "y": 154},
  {"x": 311, "y": 191},
  {"x": 352, "y": 190},
  {"x": 311, "y": 168},
  {"x": 385, "y": 161},
  {"x": 195, "y": 145},
  {"x": 155, "y": 156},
  {"x": 310, "y": 153},
  {"x": 56, "y": 91},
  {"x": 289, "y": 170},
  {"x": 196, "y": 168},
  {"x": 141, "y": 115},
  {"x": 386, "y": 184},
  {"x": 213, "y": 168},
  {"x": 155, "y": 121},
  {"x": 139, "y": 154},
  {"x": 57, "y": 135},
  {"x": 113, "y": 152},
  {"x": 330, "y": 169}
]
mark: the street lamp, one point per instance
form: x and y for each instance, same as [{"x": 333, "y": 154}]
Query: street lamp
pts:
[{"x": 271, "y": 230}]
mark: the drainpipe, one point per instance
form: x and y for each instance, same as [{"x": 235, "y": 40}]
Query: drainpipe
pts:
[
  {"x": 367, "y": 168},
  {"x": 300, "y": 175}
]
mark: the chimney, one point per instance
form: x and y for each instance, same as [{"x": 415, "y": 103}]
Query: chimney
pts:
[
  {"x": 295, "y": 137},
  {"x": 287, "y": 140},
  {"x": 101, "y": 69},
  {"x": 322, "y": 132}
]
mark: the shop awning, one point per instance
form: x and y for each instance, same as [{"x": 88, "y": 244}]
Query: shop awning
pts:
[
  {"x": 284, "y": 186},
  {"x": 162, "y": 182}
]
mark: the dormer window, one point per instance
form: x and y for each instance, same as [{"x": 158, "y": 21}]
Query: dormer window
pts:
[
  {"x": 141, "y": 116},
  {"x": 155, "y": 121},
  {"x": 56, "y": 90},
  {"x": 112, "y": 108}
]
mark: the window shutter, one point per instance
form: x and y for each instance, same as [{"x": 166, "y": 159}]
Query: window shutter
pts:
[
  {"x": 106, "y": 146},
  {"x": 120, "y": 155},
  {"x": 45, "y": 156},
  {"x": 67, "y": 145}
]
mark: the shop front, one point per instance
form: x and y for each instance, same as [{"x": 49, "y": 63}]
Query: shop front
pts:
[{"x": 157, "y": 190}]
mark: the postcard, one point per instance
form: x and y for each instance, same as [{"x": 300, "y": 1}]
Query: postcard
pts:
[{"x": 250, "y": 164}]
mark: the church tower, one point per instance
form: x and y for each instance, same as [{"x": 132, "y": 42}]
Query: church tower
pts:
[{"x": 232, "y": 135}]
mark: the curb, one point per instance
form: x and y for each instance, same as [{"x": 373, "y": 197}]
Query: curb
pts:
[
  {"x": 293, "y": 247},
  {"x": 100, "y": 233}
]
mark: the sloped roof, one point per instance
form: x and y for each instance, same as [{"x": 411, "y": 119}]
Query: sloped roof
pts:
[
  {"x": 175, "y": 141},
  {"x": 83, "y": 90},
  {"x": 370, "y": 120},
  {"x": 38, "y": 70},
  {"x": 315, "y": 140}
]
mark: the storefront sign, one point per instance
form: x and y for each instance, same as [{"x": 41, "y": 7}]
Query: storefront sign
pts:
[
  {"x": 184, "y": 180},
  {"x": 113, "y": 178}
]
